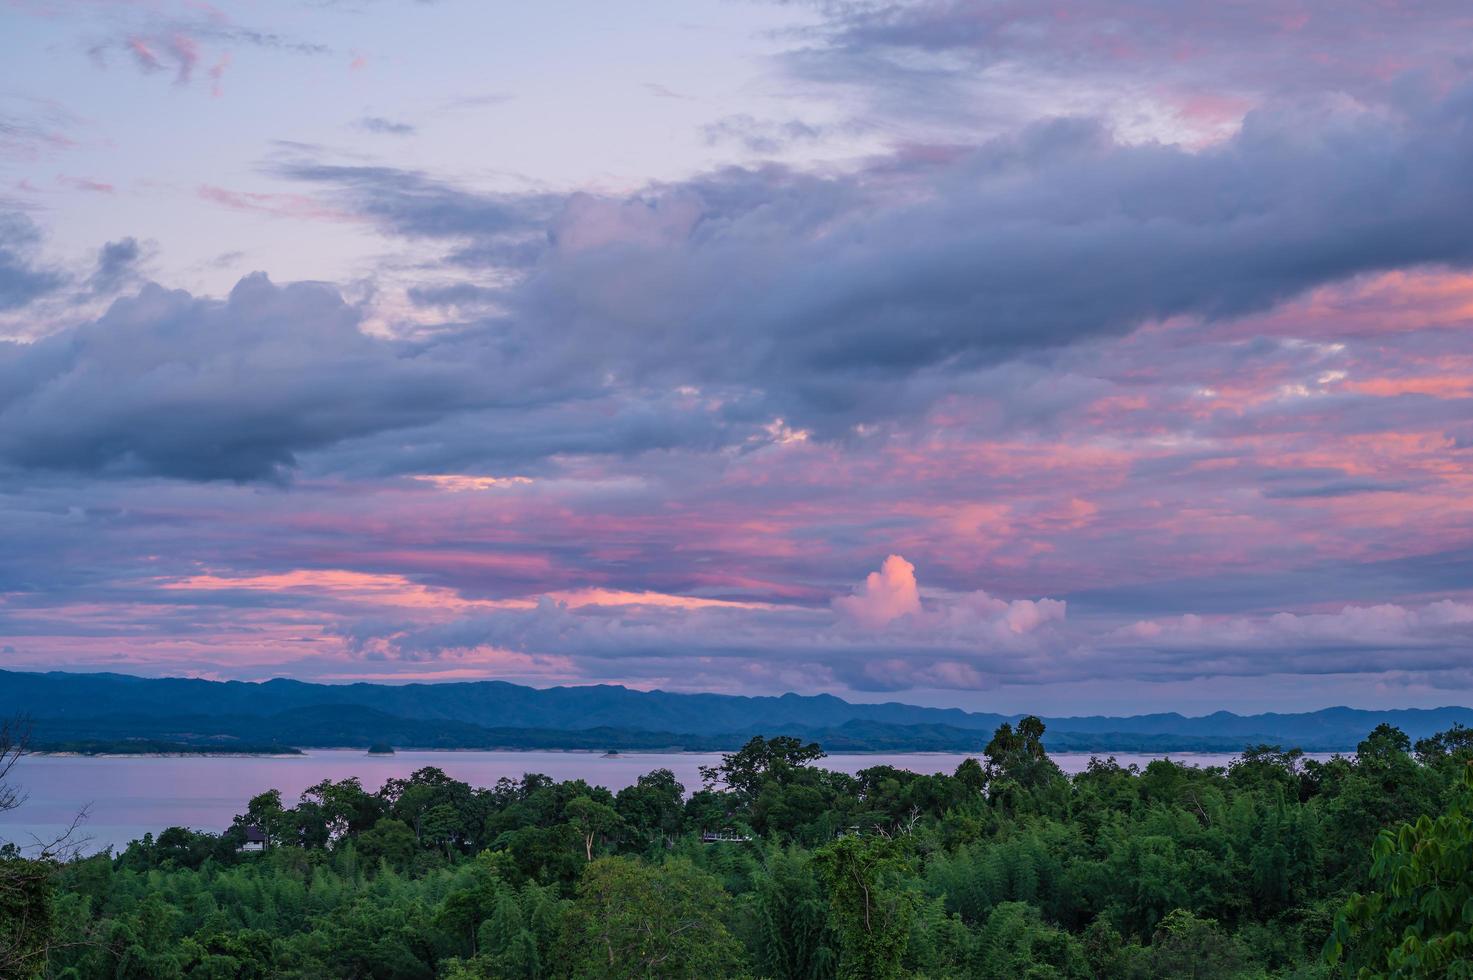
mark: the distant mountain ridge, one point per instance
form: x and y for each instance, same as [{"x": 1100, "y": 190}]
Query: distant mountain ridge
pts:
[{"x": 487, "y": 714}]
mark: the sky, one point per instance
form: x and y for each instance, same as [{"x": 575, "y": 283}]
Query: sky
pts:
[{"x": 1012, "y": 355}]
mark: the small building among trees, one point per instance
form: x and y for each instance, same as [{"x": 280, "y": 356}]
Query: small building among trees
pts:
[{"x": 255, "y": 840}]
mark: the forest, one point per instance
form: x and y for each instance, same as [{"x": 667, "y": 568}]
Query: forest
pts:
[{"x": 1274, "y": 866}]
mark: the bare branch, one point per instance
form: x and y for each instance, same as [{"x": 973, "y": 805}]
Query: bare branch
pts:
[{"x": 15, "y": 741}]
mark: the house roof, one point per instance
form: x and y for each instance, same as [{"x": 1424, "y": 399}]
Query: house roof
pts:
[{"x": 255, "y": 835}]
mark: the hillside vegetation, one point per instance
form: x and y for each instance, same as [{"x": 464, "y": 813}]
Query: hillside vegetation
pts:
[{"x": 1005, "y": 868}]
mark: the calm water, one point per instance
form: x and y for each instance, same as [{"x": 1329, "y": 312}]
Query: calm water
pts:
[{"x": 132, "y": 795}]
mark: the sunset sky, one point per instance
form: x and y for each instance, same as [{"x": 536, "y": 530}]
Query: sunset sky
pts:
[{"x": 1007, "y": 354}]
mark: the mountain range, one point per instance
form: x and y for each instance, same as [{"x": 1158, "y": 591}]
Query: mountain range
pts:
[{"x": 104, "y": 709}]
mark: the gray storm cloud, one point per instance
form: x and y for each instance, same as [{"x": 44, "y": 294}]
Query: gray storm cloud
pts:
[{"x": 825, "y": 301}]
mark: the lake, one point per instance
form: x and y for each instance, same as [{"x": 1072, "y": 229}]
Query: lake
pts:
[{"x": 129, "y": 796}]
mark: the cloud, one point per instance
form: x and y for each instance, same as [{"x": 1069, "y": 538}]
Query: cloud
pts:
[
  {"x": 217, "y": 74},
  {"x": 117, "y": 263},
  {"x": 186, "y": 54},
  {"x": 586, "y": 222},
  {"x": 84, "y": 184},
  {"x": 493, "y": 229},
  {"x": 1341, "y": 488},
  {"x": 839, "y": 298},
  {"x": 884, "y": 597},
  {"x": 663, "y": 91},
  {"x": 761, "y": 136},
  {"x": 453, "y": 294},
  {"x": 23, "y": 279},
  {"x": 878, "y": 638},
  {"x": 274, "y": 204},
  {"x": 25, "y": 137},
  {"x": 34, "y": 127},
  {"x": 388, "y": 127},
  {"x": 176, "y": 43},
  {"x": 1167, "y": 70},
  {"x": 168, "y": 384},
  {"x": 1354, "y": 639},
  {"x": 143, "y": 54},
  {"x": 839, "y": 303},
  {"x": 173, "y": 50},
  {"x": 1159, "y": 311}
]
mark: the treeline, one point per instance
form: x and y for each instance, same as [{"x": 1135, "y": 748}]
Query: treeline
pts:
[
  {"x": 358, "y": 727},
  {"x": 1006, "y": 868}
]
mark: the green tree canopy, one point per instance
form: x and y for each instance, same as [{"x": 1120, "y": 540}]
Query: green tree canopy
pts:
[
  {"x": 1419, "y": 920},
  {"x": 638, "y": 920}
]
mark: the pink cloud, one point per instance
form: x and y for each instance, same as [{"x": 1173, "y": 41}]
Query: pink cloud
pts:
[
  {"x": 464, "y": 483},
  {"x": 213, "y": 13},
  {"x": 83, "y": 184},
  {"x": 143, "y": 54},
  {"x": 884, "y": 597},
  {"x": 217, "y": 73},
  {"x": 349, "y": 586},
  {"x": 186, "y": 56},
  {"x": 591, "y": 222},
  {"x": 277, "y": 205},
  {"x": 575, "y": 598}
]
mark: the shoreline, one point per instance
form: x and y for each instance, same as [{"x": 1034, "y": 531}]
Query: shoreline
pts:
[{"x": 70, "y": 754}]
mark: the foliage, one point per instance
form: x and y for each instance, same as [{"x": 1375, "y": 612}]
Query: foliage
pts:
[
  {"x": 1419, "y": 921},
  {"x": 639, "y": 920},
  {"x": 1004, "y": 868},
  {"x": 1185, "y": 945},
  {"x": 789, "y": 931},
  {"x": 760, "y": 762},
  {"x": 870, "y": 907},
  {"x": 25, "y": 916}
]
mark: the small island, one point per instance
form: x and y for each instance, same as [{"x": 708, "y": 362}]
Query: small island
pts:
[{"x": 380, "y": 748}]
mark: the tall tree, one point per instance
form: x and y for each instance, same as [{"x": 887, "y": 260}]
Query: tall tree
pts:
[
  {"x": 635, "y": 920},
  {"x": 871, "y": 909},
  {"x": 592, "y": 820},
  {"x": 761, "y": 760}
]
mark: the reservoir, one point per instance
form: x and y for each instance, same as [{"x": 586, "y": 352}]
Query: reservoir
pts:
[{"x": 128, "y": 796}]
